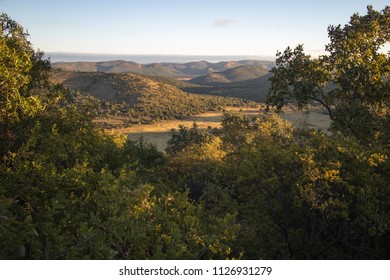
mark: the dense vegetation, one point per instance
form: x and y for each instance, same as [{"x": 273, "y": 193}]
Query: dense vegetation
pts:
[
  {"x": 70, "y": 191},
  {"x": 254, "y": 189}
]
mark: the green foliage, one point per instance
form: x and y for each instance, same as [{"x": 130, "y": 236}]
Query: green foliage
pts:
[
  {"x": 351, "y": 82},
  {"x": 298, "y": 194},
  {"x": 15, "y": 67},
  {"x": 345, "y": 181},
  {"x": 185, "y": 137},
  {"x": 298, "y": 77},
  {"x": 342, "y": 177},
  {"x": 70, "y": 191}
]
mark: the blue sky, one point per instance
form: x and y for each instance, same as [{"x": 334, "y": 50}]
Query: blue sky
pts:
[{"x": 199, "y": 27}]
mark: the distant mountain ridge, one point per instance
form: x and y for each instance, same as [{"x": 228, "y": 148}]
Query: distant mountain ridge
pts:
[
  {"x": 171, "y": 70},
  {"x": 236, "y": 74}
]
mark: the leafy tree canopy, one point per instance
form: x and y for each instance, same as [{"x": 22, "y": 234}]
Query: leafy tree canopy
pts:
[{"x": 351, "y": 81}]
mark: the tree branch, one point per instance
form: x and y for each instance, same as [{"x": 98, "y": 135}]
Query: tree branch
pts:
[{"x": 323, "y": 104}]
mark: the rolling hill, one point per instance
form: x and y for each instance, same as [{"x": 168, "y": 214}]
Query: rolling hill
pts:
[
  {"x": 254, "y": 89},
  {"x": 171, "y": 70},
  {"x": 236, "y": 74},
  {"x": 125, "y": 99}
]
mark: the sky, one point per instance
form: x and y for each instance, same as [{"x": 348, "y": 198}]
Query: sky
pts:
[{"x": 180, "y": 27}]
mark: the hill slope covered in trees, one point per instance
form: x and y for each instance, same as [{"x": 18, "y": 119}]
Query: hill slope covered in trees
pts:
[
  {"x": 140, "y": 99},
  {"x": 254, "y": 89}
]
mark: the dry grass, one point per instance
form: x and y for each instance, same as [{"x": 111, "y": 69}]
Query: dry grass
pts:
[
  {"x": 159, "y": 133},
  {"x": 205, "y": 120}
]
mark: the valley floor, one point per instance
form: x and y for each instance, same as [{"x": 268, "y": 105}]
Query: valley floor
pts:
[{"x": 159, "y": 133}]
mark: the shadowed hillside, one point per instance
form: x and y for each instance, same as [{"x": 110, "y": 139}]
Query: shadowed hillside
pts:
[
  {"x": 236, "y": 74},
  {"x": 255, "y": 89}
]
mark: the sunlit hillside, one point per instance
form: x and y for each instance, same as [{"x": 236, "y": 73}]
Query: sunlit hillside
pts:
[{"x": 131, "y": 99}]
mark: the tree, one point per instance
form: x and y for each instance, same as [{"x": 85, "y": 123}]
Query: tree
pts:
[
  {"x": 185, "y": 137},
  {"x": 351, "y": 82},
  {"x": 300, "y": 78},
  {"x": 345, "y": 187}
]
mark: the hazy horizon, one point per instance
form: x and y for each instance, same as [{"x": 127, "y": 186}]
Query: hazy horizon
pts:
[
  {"x": 147, "y": 59},
  {"x": 218, "y": 28}
]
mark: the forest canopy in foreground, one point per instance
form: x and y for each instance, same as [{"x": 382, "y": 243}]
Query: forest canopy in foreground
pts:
[{"x": 254, "y": 189}]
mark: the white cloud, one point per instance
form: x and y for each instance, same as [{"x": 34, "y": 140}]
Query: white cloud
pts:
[{"x": 224, "y": 22}]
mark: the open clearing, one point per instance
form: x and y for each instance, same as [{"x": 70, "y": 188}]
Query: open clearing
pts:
[{"x": 159, "y": 133}]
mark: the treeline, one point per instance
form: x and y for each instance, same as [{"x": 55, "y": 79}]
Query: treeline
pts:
[{"x": 254, "y": 189}]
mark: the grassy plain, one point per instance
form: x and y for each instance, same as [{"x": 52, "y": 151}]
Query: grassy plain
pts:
[{"x": 159, "y": 133}]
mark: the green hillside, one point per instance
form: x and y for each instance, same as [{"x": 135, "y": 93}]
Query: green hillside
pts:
[{"x": 139, "y": 99}]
